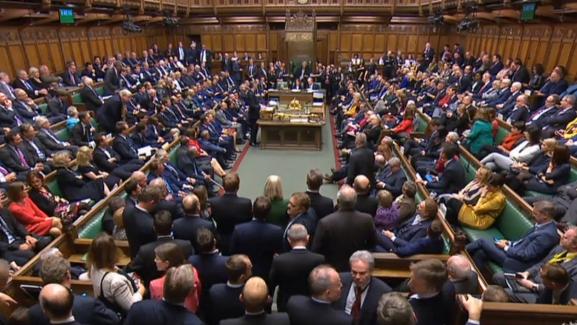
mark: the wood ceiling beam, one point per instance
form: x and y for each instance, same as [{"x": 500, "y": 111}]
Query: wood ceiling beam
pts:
[{"x": 9, "y": 14}]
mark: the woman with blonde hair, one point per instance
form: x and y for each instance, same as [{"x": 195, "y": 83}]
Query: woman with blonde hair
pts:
[
  {"x": 90, "y": 172},
  {"x": 488, "y": 208},
  {"x": 470, "y": 194},
  {"x": 273, "y": 191},
  {"x": 72, "y": 184}
]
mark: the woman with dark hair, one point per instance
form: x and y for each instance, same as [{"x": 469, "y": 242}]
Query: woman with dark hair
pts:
[
  {"x": 523, "y": 153},
  {"x": 115, "y": 289},
  {"x": 537, "y": 77},
  {"x": 28, "y": 213},
  {"x": 555, "y": 174},
  {"x": 169, "y": 255},
  {"x": 49, "y": 203}
]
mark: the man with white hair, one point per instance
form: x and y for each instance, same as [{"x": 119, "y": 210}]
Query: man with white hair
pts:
[
  {"x": 462, "y": 275},
  {"x": 113, "y": 111},
  {"x": 519, "y": 112},
  {"x": 506, "y": 106},
  {"x": 361, "y": 291},
  {"x": 89, "y": 96}
]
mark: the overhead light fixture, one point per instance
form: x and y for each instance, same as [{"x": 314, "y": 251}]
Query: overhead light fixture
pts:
[{"x": 129, "y": 26}]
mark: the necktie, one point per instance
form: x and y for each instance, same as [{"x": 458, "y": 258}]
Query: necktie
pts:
[
  {"x": 6, "y": 231},
  {"x": 558, "y": 258},
  {"x": 39, "y": 152},
  {"x": 356, "y": 309},
  {"x": 21, "y": 157},
  {"x": 4, "y": 171}
]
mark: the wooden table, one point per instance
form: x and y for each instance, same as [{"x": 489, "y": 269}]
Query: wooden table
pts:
[
  {"x": 287, "y": 135},
  {"x": 285, "y": 96}
]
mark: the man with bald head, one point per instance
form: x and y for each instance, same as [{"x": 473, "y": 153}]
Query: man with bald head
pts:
[
  {"x": 187, "y": 227},
  {"x": 366, "y": 203},
  {"x": 461, "y": 274},
  {"x": 345, "y": 231},
  {"x": 56, "y": 301},
  {"x": 325, "y": 288},
  {"x": 255, "y": 298}
]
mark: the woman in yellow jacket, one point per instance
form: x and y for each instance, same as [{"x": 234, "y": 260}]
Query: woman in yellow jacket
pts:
[{"x": 489, "y": 207}]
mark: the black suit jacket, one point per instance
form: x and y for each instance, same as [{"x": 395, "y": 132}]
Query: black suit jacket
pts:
[
  {"x": 30, "y": 91},
  {"x": 70, "y": 80},
  {"x": 322, "y": 205},
  {"x": 32, "y": 154},
  {"x": 228, "y": 211},
  {"x": 125, "y": 148},
  {"x": 8, "y": 117},
  {"x": 139, "y": 228},
  {"x": 101, "y": 159},
  {"x": 90, "y": 99},
  {"x": 82, "y": 135},
  {"x": 225, "y": 302},
  {"x": 342, "y": 233},
  {"x": 305, "y": 311},
  {"x": 369, "y": 307},
  {"x": 185, "y": 228},
  {"x": 86, "y": 310},
  {"x": 361, "y": 162},
  {"x": 290, "y": 271},
  {"x": 16, "y": 229},
  {"x": 111, "y": 81},
  {"x": 160, "y": 312},
  {"x": 260, "y": 319},
  {"x": 260, "y": 241},
  {"x": 110, "y": 113},
  {"x": 211, "y": 269},
  {"x": 452, "y": 180},
  {"x": 367, "y": 204},
  {"x": 10, "y": 158},
  {"x": 48, "y": 141},
  {"x": 143, "y": 262}
]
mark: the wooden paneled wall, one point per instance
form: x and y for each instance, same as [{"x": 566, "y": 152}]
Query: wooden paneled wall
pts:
[
  {"x": 546, "y": 44},
  {"x": 33, "y": 46}
]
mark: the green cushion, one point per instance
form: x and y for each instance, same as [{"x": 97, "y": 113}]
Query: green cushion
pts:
[
  {"x": 501, "y": 135},
  {"x": 494, "y": 268},
  {"x": 77, "y": 99},
  {"x": 573, "y": 176},
  {"x": 63, "y": 134},
  {"x": 421, "y": 124},
  {"x": 94, "y": 227},
  {"x": 43, "y": 108},
  {"x": 100, "y": 91},
  {"x": 474, "y": 234},
  {"x": 54, "y": 188},
  {"x": 512, "y": 223},
  {"x": 470, "y": 170},
  {"x": 172, "y": 155}
]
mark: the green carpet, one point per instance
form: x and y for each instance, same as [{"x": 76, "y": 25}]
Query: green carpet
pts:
[{"x": 291, "y": 165}]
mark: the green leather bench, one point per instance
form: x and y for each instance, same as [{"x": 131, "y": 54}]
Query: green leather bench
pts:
[
  {"x": 54, "y": 188},
  {"x": 63, "y": 134},
  {"x": 100, "y": 91},
  {"x": 43, "y": 108},
  {"x": 94, "y": 227}
]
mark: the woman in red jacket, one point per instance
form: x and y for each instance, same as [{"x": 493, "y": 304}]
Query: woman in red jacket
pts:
[
  {"x": 405, "y": 128},
  {"x": 28, "y": 214}
]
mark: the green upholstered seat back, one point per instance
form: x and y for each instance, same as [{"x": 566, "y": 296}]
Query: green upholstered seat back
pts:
[
  {"x": 501, "y": 135},
  {"x": 54, "y": 188},
  {"x": 512, "y": 223}
]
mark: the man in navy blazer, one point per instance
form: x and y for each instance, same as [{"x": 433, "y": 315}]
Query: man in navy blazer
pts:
[
  {"x": 325, "y": 287},
  {"x": 411, "y": 230},
  {"x": 113, "y": 111},
  {"x": 363, "y": 308},
  {"x": 432, "y": 243},
  {"x": 299, "y": 212},
  {"x": 539, "y": 116},
  {"x": 519, "y": 255},
  {"x": 85, "y": 309},
  {"x": 123, "y": 145},
  {"x": 179, "y": 283},
  {"x": 257, "y": 238},
  {"x": 452, "y": 179},
  {"x": 559, "y": 121},
  {"x": 322, "y": 205},
  {"x": 393, "y": 178}
]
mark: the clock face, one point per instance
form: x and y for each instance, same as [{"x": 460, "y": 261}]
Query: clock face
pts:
[{"x": 303, "y": 2}]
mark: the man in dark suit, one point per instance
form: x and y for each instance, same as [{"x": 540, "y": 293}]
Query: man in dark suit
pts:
[
  {"x": 299, "y": 212},
  {"x": 253, "y": 112},
  {"x": 49, "y": 139},
  {"x": 143, "y": 263},
  {"x": 108, "y": 160},
  {"x": 70, "y": 77},
  {"x": 361, "y": 291},
  {"x": 210, "y": 264},
  {"x": 291, "y": 270},
  {"x": 530, "y": 283},
  {"x": 139, "y": 222},
  {"x": 85, "y": 309},
  {"x": 432, "y": 243},
  {"x": 89, "y": 96},
  {"x": 461, "y": 275},
  {"x": 520, "y": 73},
  {"x": 411, "y": 230},
  {"x": 57, "y": 302},
  {"x": 325, "y": 287},
  {"x": 259, "y": 240},
  {"x": 519, "y": 255},
  {"x": 25, "y": 106},
  {"x": 255, "y": 299},
  {"x": 559, "y": 288},
  {"x": 366, "y": 203},
  {"x": 452, "y": 179},
  {"x": 113, "y": 111},
  {"x": 322, "y": 205},
  {"x": 341, "y": 233},
  {"x": 541, "y": 114},
  {"x": 361, "y": 161},
  {"x": 123, "y": 144},
  {"x": 393, "y": 178},
  {"x": 223, "y": 298},
  {"x": 83, "y": 132},
  {"x": 229, "y": 210},
  {"x": 192, "y": 54},
  {"x": 432, "y": 296},
  {"x": 559, "y": 121},
  {"x": 13, "y": 155},
  {"x": 33, "y": 149},
  {"x": 187, "y": 227},
  {"x": 178, "y": 285},
  {"x": 23, "y": 82},
  {"x": 112, "y": 79}
]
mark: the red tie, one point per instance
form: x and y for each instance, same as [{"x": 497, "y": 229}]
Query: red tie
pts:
[{"x": 356, "y": 309}]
